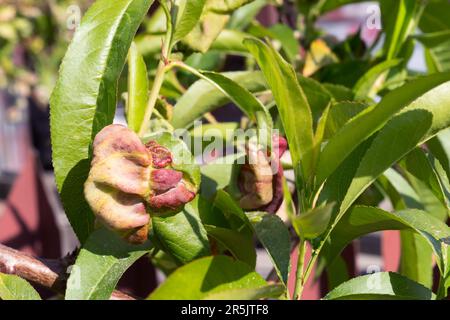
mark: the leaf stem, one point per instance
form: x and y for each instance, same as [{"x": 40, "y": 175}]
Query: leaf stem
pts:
[
  {"x": 299, "y": 275},
  {"x": 441, "y": 293},
  {"x": 195, "y": 72},
  {"x": 166, "y": 48},
  {"x": 210, "y": 117}
]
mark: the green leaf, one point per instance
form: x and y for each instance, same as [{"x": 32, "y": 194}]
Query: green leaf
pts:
[
  {"x": 440, "y": 147},
  {"x": 338, "y": 183},
  {"x": 367, "y": 85},
  {"x": 414, "y": 125},
  {"x": 239, "y": 245},
  {"x": 164, "y": 262},
  {"x": 188, "y": 14},
  {"x": 100, "y": 264},
  {"x": 240, "y": 96},
  {"x": 242, "y": 17},
  {"x": 274, "y": 236},
  {"x": 149, "y": 45},
  {"x": 340, "y": 113},
  {"x": 416, "y": 255},
  {"x": 233, "y": 212},
  {"x": 289, "y": 204},
  {"x": 339, "y": 92},
  {"x": 291, "y": 102},
  {"x": 289, "y": 43},
  {"x": 361, "y": 220},
  {"x": 137, "y": 89},
  {"x": 337, "y": 272},
  {"x": 402, "y": 134},
  {"x": 319, "y": 135},
  {"x": 329, "y": 5},
  {"x": 227, "y": 6},
  {"x": 400, "y": 25},
  {"x": 230, "y": 41},
  {"x": 217, "y": 175},
  {"x": 208, "y": 131},
  {"x": 345, "y": 73},
  {"x": 437, "y": 45},
  {"x": 84, "y": 99},
  {"x": 421, "y": 175},
  {"x": 443, "y": 179},
  {"x": 416, "y": 260},
  {"x": 415, "y": 94},
  {"x": 408, "y": 196},
  {"x": 156, "y": 23},
  {"x": 398, "y": 75},
  {"x": 204, "y": 97},
  {"x": 318, "y": 57},
  {"x": 13, "y": 287},
  {"x": 435, "y": 17},
  {"x": 380, "y": 286},
  {"x": 210, "y": 215},
  {"x": 269, "y": 291},
  {"x": 206, "y": 30},
  {"x": 182, "y": 234},
  {"x": 210, "y": 275},
  {"x": 282, "y": 35},
  {"x": 313, "y": 223},
  {"x": 317, "y": 95}
]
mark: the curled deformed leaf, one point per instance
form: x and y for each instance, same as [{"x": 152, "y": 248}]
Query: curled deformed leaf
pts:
[
  {"x": 260, "y": 178},
  {"x": 128, "y": 178},
  {"x": 117, "y": 180}
]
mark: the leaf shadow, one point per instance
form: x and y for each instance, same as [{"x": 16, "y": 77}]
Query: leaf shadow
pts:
[
  {"x": 75, "y": 205},
  {"x": 219, "y": 273},
  {"x": 208, "y": 187},
  {"x": 104, "y": 242},
  {"x": 399, "y": 288}
]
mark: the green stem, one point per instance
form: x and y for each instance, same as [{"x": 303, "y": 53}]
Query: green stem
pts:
[
  {"x": 299, "y": 275},
  {"x": 441, "y": 292},
  {"x": 315, "y": 255},
  {"x": 195, "y": 72},
  {"x": 160, "y": 72},
  {"x": 287, "y": 165},
  {"x": 163, "y": 120},
  {"x": 312, "y": 261},
  {"x": 154, "y": 94}
]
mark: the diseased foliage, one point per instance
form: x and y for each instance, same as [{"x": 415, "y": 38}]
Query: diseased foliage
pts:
[{"x": 355, "y": 122}]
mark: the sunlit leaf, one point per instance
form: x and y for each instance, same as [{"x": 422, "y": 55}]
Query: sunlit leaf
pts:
[
  {"x": 207, "y": 276},
  {"x": 13, "y": 287},
  {"x": 380, "y": 286},
  {"x": 100, "y": 265},
  {"x": 137, "y": 89}
]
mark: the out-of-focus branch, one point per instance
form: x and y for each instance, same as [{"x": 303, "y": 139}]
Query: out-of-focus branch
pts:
[{"x": 49, "y": 273}]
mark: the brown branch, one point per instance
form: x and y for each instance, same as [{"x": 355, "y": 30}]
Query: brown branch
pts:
[{"x": 49, "y": 273}]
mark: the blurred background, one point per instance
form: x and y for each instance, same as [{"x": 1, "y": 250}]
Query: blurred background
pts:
[{"x": 33, "y": 38}]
